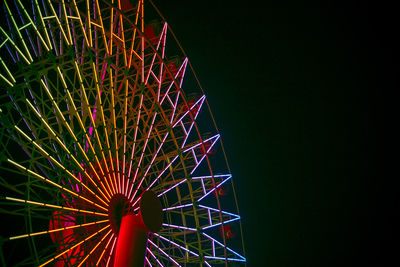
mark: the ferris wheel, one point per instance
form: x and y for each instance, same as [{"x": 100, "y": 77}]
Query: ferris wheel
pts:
[{"x": 109, "y": 152}]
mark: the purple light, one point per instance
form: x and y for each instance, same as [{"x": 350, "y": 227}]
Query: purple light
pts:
[
  {"x": 212, "y": 190},
  {"x": 178, "y": 207},
  {"x": 159, "y": 263},
  {"x": 242, "y": 259},
  {"x": 175, "y": 244},
  {"x": 162, "y": 172},
  {"x": 199, "y": 102},
  {"x": 178, "y": 227},
  {"x": 163, "y": 252},
  {"x": 172, "y": 187}
]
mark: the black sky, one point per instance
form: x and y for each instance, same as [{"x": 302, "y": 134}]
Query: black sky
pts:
[{"x": 296, "y": 94}]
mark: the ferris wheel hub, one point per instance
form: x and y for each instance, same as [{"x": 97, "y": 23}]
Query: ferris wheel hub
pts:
[{"x": 134, "y": 230}]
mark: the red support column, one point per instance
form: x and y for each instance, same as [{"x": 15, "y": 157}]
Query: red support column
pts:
[
  {"x": 134, "y": 230},
  {"x": 132, "y": 241}
]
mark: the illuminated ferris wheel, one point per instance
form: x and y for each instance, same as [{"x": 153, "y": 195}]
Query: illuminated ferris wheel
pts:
[{"x": 105, "y": 160}]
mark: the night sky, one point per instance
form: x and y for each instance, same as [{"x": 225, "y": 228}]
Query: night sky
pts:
[{"x": 296, "y": 94}]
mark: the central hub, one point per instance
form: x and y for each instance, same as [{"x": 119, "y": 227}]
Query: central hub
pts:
[
  {"x": 150, "y": 211},
  {"x": 118, "y": 208},
  {"x": 135, "y": 228}
]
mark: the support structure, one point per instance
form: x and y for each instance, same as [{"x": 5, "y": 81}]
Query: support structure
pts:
[{"x": 134, "y": 230}]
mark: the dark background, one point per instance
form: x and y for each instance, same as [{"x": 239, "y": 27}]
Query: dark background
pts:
[{"x": 298, "y": 95}]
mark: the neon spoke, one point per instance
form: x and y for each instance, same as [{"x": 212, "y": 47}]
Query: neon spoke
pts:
[
  {"x": 163, "y": 252},
  {"x": 176, "y": 245},
  {"x": 105, "y": 249},
  {"x": 94, "y": 248},
  {"x": 53, "y": 206},
  {"x": 57, "y": 230},
  {"x": 74, "y": 246},
  {"x": 151, "y": 253}
]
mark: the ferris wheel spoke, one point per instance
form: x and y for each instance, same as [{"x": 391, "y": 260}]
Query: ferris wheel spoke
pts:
[
  {"x": 203, "y": 151},
  {"x": 17, "y": 29},
  {"x": 55, "y": 17},
  {"x": 74, "y": 246},
  {"x": 161, "y": 39},
  {"x": 56, "y": 230},
  {"x": 88, "y": 139},
  {"x": 141, "y": 158},
  {"x": 135, "y": 138},
  {"x": 93, "y": 122},
  {"x": 172, "y": 187},
  {"x": 160, "y": 174},
  {"x": 225, "y": 217},
  {"x": 163, "y": 252},
  {"x": 24, "y": 28},
  {"x": 179, "y": 227},
  {"x": 8, "y": 38},
  {"x": 151, "y": 162},
  {"x": 224, "y": 177},
  {"x": 38, "y": 176},
  {"x": 147, "y": 261},
  {"x": 94, "y": 248},
  {"x": 135, "y": 26},
  {"x": 111, "y": 251},
  {"x": 154, "y": 257},
  {"x": 176, "y": 244},
  {"x": 117, "y": 180},
  {"x": 62, "y": 118},
  {"x": 31, "y": 23},
  {"x": 55, "y": 136},
  {"x": 234, "y": 256},
  {"x": 41, "y": 204},
  {"x": 105, "y": 249},
  {"x": 195, "y": 108}
]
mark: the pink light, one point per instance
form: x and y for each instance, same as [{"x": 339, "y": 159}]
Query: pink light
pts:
[
  {"x": 141, "y": 158},
  {"x": 111, "y": 251},
  {"x": 134, "y": 144},
  {"x": 175, "y": 105},
  {"x": 147, "y": 261},
  {"x": 204, "y": 141}
]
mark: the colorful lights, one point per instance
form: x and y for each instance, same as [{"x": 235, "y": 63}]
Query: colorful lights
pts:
[{"x": 97, "y": 109}]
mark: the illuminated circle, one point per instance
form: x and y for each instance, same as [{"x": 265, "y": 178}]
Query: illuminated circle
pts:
[{"x": 94, "y": 112}]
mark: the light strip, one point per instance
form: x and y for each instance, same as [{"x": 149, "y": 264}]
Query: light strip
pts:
[
  {"x": 89, "y": 142},
  {"x": 76, "y": 140},
  {"x": 163, "y": 252},
  {"x": 54, "y": 184},
  {"x": 178, "y": 207},
  {"x": 172, "y": 187},
  {"x": 94, "y": 248},
  {"x": 159, "y": 263},
  {"x": 54, "y": 206},
  {"x": 179, "y": 227},
  {"x": 74, "y": 246},
  {"x": 18, "y": 31},
  {"x": 66, "y": 150},
  {"x": 219, "y": 243},
  {"x": 56, "y": 230},
  {"x": 105, "y": 248},
  {"x": 175, "y": 244}
]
